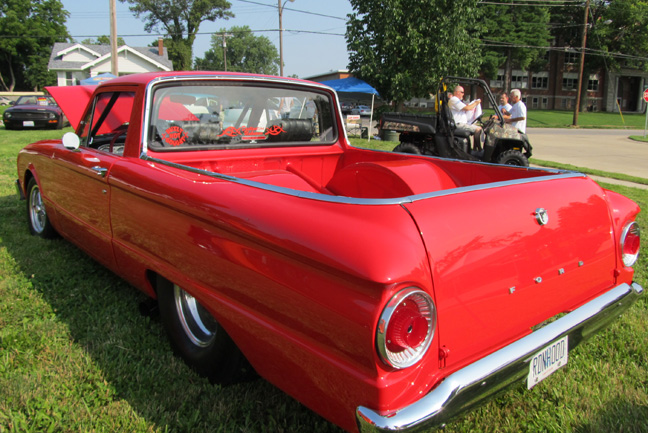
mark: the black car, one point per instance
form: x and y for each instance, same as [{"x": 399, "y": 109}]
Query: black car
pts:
[{"x": 31, "y": 112}]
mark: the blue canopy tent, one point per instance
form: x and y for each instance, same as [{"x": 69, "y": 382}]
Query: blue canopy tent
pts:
[
  {"x": 354, "y": 85},
  {"x": 97, "y": 79}
]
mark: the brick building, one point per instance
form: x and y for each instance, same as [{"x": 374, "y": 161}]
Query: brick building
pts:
[{"x": 556, "y": 87}]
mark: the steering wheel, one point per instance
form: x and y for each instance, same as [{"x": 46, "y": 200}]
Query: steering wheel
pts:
[
  {"x": 489, "y": 124},
  {"x": 119, "y": 132},
  {"x": 478, "y": 119}
]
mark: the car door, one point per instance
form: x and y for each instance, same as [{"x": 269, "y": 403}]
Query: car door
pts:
[{"x": 80, "y": 185}]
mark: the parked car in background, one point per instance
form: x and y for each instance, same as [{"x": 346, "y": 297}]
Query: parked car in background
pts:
[
  {"x": 346, "y": 107},
  {"x": 30, "y": 112},
  {"x": 362, "y": 110},
  {"x": 5, "y": 101}
]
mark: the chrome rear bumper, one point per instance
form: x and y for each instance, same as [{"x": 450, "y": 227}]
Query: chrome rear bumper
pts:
[{"x": 478, "y": 381}]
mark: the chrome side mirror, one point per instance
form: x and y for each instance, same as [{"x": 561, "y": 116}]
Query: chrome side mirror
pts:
[{"x": 71, "y": 141}]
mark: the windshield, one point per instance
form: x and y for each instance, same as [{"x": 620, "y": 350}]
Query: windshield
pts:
[
  {"x": 36, "y": 100},
  {"x": 205, "y": 115}
]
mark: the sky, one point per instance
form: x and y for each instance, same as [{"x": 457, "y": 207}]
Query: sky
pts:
[{"x": 313, "y": 38}]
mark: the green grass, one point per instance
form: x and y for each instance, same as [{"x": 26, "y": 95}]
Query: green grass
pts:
[
  {"x": 564, "y": 119},
  {"x": 76, "y": 355}
]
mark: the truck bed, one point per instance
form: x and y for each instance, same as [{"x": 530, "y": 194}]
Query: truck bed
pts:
[{"x": 357, "y": 173}]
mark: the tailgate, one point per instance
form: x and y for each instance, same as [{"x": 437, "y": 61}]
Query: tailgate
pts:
[{"x": 497, "y": 271}]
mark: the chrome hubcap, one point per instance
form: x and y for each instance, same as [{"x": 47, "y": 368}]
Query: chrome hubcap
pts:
[
  {"x": 197, "y": 323},
  {"x": 37, "y": 210}
]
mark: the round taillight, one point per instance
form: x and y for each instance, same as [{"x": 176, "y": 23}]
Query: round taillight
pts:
[
  {"x": 406, "y": 328},
  {"x": 630, "y": 243}
]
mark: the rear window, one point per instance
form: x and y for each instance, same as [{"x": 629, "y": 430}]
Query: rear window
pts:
[{"x": 207, "y": 116}]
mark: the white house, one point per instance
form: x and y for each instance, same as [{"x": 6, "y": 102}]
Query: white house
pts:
[{"x": 74, "y": 62}]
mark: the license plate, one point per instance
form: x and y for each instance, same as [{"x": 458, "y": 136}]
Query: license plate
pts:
[
  {"x": 548, "y": 360},
  {"x": 28, "y": 123}
]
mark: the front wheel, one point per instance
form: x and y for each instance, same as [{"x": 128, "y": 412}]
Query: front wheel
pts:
[
  {"x": 513, "y": 157},
  {"x": 197, "y": 337},
  {"x": 39, "y": 223}
]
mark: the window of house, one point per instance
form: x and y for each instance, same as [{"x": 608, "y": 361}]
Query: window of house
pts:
[
  {"x": 519, "y": 79},
  {"x": 70, "y": 80},
  {"x": 540, "y": 80},
  {"x": 572, "y": 57},
  {"x": 570, "y": 81},
  {"x": 593, "y": 83},
  {"x": 499, "y": 82}
]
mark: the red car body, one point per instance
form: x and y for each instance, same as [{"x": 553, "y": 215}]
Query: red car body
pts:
[{"x": 384, "y": 291}]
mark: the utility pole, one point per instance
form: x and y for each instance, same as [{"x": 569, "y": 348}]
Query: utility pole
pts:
[
  {"x": 225, "y": 36},
  {"x": 582, "y": 66},
  {"x": 281, "y": 36},
  {"x": 113, "y": 39}
]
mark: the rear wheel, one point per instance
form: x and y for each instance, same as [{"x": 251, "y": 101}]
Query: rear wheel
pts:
[
  {"x": 39, "y": 223},
  {"x": 513, "y": 157},
  {"x": 197, "y": 337},
  {"x": 407, "y": 148}
]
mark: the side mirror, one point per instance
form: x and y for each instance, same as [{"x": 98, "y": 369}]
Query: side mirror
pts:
[{"x": 71, "y": 141}]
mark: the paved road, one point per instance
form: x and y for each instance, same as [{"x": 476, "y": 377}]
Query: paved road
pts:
[{"x": 604, "y": 149}]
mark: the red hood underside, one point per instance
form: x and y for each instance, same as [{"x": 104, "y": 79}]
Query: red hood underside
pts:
[{"x": 73, "y": 100}]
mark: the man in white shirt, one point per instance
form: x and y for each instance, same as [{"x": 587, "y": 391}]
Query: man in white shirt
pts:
[
  {"x": 504, "y": 107},
  {"x": 465, "y": 114},
  {"x": 518, "y": 113}
]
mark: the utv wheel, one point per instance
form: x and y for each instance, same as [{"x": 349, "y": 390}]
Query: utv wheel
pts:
[
  {"x": 39, "y": 223},
  {"x": 407, "y": 148},
  {"x": 513, "y": 157},
  {"x": 197, "y": 337}
]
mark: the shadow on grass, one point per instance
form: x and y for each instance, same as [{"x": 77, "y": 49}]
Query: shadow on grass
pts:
[
  {"x": 634, "y": 418},
  {"x": 130, "y": 351}
]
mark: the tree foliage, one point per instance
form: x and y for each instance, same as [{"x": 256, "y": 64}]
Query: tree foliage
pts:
[
  {"x": 180, "y": 21},
  {"x": 104, "y": 40},
  {"x": 29, "y": 29},
  {"x": 403, "y": 47},
  {"x": 510, "y": 33},
  {"x": 245, "y": 53}
]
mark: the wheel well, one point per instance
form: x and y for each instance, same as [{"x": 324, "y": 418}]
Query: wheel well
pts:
[
  {"x": 28, "y": 177},
  {"x": 151, "y": 279}
]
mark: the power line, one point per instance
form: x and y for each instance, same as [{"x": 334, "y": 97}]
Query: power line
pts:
[{"x": 294, "y": 10}]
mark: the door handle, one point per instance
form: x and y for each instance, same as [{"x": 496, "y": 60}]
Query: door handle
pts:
[{"x": 100, "y": 171}]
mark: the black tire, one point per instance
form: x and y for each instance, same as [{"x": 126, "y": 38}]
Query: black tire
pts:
[
  {"x": 407, "y": 148},
  {"x": 198, "y": 338},
  {"x": 39, "y": 223},
  {"x": 513, "y": 157}
]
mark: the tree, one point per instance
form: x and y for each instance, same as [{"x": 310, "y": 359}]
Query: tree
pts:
[
  {"x": 614, "y": 28},
  {"x": 180, "y": 21},
  {"x": 509, "y": 34},
  {"x": 30, "y": 29},
  {"x": 104, "y": 40},
  {"x": 245, "y": 53},
  {"x": 403, "y": 47}
]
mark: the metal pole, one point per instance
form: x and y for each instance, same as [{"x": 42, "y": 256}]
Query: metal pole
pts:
[{"x": 582, "y": 65}]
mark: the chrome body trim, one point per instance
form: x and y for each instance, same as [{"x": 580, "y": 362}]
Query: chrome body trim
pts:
[
  {"x": 361, "y": 201},
  {"x": 482, "y": 379}
]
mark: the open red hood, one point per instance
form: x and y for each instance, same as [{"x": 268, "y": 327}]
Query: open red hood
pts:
[{"x": 73, "y": 100}]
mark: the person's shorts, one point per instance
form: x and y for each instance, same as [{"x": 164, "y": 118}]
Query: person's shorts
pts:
[{"x": 466, "y": 127}]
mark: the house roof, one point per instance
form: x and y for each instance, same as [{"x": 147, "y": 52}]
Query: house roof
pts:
[{"x": 102, "y": 52}]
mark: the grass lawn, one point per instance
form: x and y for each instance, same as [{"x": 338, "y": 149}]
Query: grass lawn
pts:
[{"x": 77, "y": 356}]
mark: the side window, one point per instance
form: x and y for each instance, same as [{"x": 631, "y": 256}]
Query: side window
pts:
[{"x": 105, "y": 126}]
